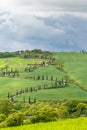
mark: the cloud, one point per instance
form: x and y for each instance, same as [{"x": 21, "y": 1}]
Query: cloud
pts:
[
  {"x": 46, "y": 24},
  {"x": 66, "y": 32},
  {"x": 55, "y": 5},
  {"x": 29, "y": 6}
]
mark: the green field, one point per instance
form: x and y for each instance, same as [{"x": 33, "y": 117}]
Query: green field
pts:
[
  {"x": 17, "y": 62},
  {"x": 13, "y": 84},
  {"x": 70, "y": 124},
  {"x": 42, "y": 82},
  {"x": 74, "y": 64},
  {"x": 69, "y": 92}
]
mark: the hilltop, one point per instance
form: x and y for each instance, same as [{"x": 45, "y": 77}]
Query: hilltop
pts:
[
  {"x": 50, "y": 76},
  {"x": 42, "y": 86}
]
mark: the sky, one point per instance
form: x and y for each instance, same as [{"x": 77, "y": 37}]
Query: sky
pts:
[{"x": 55, "y": 25}]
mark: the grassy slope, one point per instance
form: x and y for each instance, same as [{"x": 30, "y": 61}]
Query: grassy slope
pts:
[
  {"x": 17, "y": 62},
  {"x": 13, "y": 84},
  {"x": 75, "y": 65},
  {"x": 46, "y": 71},
  {"x": 70, "y": 92},
  {"x": 70, "y": 124}
]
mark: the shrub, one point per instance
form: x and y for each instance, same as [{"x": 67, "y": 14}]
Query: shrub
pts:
[
  {"x": 2, "y": 117},
  {"x": 45, "y": 115},
  {"x": 15, "y": 119},
  {"x": 18, "y": 106},
  {"x": 81, "y": 109},
  {"x": 63, "y": 112},
  {"x": 72, "y": 104},
  {"x": 3, "y": 124},
  {"x": 6, "y": 107}
]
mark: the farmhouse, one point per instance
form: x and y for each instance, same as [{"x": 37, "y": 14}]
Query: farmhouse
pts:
[{"x": 38, "y": 63}]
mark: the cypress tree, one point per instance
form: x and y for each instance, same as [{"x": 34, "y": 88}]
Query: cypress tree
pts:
[
  {"x": 46, "y": 77},
  {"x": 34, "y": 100},
  {"x": 51, "y": 78},
  {"x": 24, "y": 99},
  {"x": 42, "y": 77},
  {"x": 38, "y": 77},
  {"x": 31, "y": 89},
  {"x": 8, "y": 95},
  {"x": 12, "y": 99},
  {"x": 17, "y": 93},
  {"x": 29, "y": 100}
]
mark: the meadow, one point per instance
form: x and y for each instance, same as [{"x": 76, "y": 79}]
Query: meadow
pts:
[
  {"x": 69, "y": 92},
  {"x": 69, "y": 124},
  {"x": 74, "y": 66},
  {"x": 59, "y": 79}
]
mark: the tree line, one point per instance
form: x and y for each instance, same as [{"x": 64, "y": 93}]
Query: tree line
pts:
[
  {"x": 36, "y": 53},
  {"x": 9, "y": 72},
  {"x": 55, "y": 84}
]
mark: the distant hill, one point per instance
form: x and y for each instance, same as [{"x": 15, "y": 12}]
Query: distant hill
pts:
[{"x": 50, "y": 76}]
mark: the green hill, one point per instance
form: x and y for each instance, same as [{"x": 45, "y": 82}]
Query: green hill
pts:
[
  {"x": 69, "y": 92},
  {"x": 19, "y": 73},
  {"x": 75, "y": 64}
]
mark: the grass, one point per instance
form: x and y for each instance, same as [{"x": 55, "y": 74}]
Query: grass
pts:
[
  {"x": 69, "y": 124},
  {"x": 46, "y": 71},
  {"x": 69, "y": 92},
  {"x": 76, "y": 65},
  {"x": 18, "y": 62},
  {"x": 13, "y": 84}
]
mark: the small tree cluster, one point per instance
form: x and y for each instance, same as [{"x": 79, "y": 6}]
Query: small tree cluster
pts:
[
  {"x": 10, "y": 73},
  {"x": 29, "y": 100}
]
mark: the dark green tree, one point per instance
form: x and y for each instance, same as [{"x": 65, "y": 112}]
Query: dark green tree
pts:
[
  {"x": 42, "y": 77},
  {"x": 24, "y": 99},
  {"x": 29, "y": 100},
  {"x": 6, "y": 107},
  {"x": 51, "y": 78}
]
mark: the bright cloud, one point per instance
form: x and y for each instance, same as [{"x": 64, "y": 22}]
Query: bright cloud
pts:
[{"x": 46, "y": 24}]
